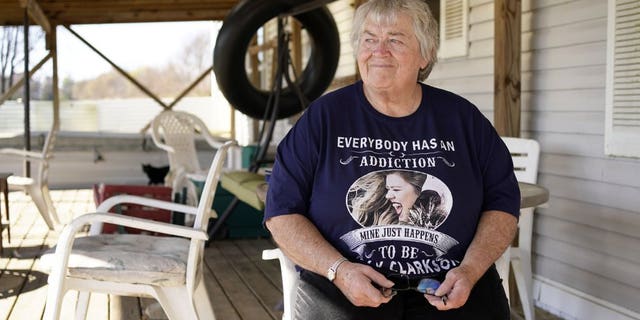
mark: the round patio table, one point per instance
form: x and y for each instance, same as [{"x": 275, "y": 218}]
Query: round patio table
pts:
[{"x": 532, "y": 195}]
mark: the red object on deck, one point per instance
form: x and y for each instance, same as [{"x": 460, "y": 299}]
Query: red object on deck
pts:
[{"x": 103, "y": 191}]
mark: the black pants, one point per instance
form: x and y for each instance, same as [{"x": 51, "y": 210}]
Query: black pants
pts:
[{"x": 319, "y": 299}]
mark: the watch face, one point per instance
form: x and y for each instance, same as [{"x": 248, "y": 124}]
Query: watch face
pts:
[{"x": 331, "y": 275}]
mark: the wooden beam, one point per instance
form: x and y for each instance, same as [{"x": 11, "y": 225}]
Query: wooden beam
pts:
[
  {"x": 270, "y": 44},
  {"x": 182, "y": 95},
  {"x": 305, "y": 6},
  {"x": 254, "y": 62},
  {"x": 256, "y": 74},
  {"x": 36, "y": 13},
  {"x": 129, "y": 16},
  {"x": 70, "y": 12},
  {"x": 20, "y": 82},
  {"x": 55, "y": 79},
  {"x": 190, "y": 87},
  {"x": 507, "y": 67},
  {"x": 121, "y": 71},
  {"x": 296, "y": 44}
]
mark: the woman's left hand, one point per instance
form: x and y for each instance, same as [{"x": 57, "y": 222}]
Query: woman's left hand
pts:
[{"x": 454, "y": 290}]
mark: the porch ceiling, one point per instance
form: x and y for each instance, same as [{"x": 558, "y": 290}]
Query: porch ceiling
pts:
[{"x": 60, "y": 12}]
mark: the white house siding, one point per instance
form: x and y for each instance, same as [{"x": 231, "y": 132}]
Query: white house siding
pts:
[
  {"x": 343, "y": 15},
  {"x": 587, "y": 262}
]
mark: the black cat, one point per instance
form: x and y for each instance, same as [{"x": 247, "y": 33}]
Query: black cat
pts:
[{"x": 156, "y": 174}]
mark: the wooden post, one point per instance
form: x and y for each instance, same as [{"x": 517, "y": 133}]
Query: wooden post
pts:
[
  {"x": 53, "y": 48},
  {"x": 27, "y": 94},
  {"x": 36, "y": 13},
  {"x": 255, "y": 80},
  {"x": 296, "y": 46},
  {"x": 507, "y": 67}
]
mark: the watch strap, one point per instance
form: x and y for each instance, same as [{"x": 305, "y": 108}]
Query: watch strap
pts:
[{"x": 331, "y": 273}]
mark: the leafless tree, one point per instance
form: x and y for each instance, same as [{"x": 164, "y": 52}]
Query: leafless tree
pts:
[
  {"x": 12, "y": 52},
  {"x": 8, "y": 53},
  {"x": 196, "y": 56}
]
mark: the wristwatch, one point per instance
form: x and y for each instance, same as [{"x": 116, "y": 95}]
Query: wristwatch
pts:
[{"x": 331, "y": 273}]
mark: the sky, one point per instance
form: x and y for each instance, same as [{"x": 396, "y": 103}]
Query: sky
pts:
[{"x": 130, "y": 46}]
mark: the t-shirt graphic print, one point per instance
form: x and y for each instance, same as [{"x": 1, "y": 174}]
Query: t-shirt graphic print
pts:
[{"x": 400, "y": 211}]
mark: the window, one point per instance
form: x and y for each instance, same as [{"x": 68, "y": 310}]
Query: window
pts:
[
  {"x": 453, "y": 28},
  {"x": 622, "y": 127}
]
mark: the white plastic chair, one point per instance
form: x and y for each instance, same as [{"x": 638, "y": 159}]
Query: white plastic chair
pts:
[
  {"x": 290, "y": 278},
  {"x": 166, "y": 268},
  {"x": 525, "y": 154},
  {"x": 176, "y": 132},
  {"x": 37, "y": 186}
]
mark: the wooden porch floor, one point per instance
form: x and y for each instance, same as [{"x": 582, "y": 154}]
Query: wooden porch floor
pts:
[{"x": 240, "y": 284}]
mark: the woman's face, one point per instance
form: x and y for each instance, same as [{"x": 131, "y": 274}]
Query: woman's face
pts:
[
  {"x": 401, "y": 194},
  {"x": 389, "y": 54}
]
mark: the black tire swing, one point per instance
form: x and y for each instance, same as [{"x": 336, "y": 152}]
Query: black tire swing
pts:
[{"x": 233, "y": 41}]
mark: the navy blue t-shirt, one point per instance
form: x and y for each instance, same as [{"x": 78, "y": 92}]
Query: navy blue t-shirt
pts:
[{"x": 402, "y": 194}]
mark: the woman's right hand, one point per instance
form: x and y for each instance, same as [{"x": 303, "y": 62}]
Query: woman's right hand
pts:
[{"x": 356, "y": 281}]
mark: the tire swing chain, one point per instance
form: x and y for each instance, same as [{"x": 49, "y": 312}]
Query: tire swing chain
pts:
[{"x": 273, "y": 102}]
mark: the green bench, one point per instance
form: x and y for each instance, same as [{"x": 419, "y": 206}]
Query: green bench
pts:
[
  {"x": 243, "y": 185},
  {"x": 245, "y": 220}
]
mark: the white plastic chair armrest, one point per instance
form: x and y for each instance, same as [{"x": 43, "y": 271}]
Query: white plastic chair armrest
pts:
[
  {"x": 200, "y": 177},
  {"x": 287, "y": 266},
  {"x": 164, "y": 147},
  {"x": 107, "y": 204},
  {"x": 214, "y": 142},
  {"x": 32, "y": 155},
  {"x": 135, "y": 222},
  {"x": 149, "y": 202},
  {"x": 271, "y": 254},
  {"x": 156, "y": 139},
  {"x": 290, "y": 279}
]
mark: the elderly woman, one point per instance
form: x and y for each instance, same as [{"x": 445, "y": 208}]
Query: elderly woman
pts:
[{"x": 392, "y": 121}]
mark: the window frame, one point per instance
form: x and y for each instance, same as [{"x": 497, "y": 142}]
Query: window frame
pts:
[
  {"x": 620, "y": 139},
  {"x": 459, "y": 45}
]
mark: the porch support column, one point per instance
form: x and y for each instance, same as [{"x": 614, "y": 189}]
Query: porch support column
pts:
[
  {"x": 27, "y": 94},
  {"x": 507, "y": 45}
]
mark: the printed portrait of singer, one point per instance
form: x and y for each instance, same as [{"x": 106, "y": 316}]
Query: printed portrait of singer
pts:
[{"x": 399, "y": 197}]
